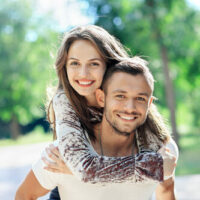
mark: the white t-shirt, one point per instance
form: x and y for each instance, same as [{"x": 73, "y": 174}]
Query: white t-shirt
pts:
[{"x": 70, "y": 188}]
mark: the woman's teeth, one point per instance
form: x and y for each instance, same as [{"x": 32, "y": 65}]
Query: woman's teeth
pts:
[{"x": 84, "y": 82}]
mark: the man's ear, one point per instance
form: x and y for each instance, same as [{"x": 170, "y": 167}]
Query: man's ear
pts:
[
  {"x": 151, "y": 100},
  {"x": 100, "y": 97}
]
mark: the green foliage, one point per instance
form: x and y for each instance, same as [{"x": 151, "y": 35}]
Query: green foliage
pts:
[
  {"x": 189, "y": 160},
  {"x": 136, "y": 23},
  {"x": 25, "y": 61}
]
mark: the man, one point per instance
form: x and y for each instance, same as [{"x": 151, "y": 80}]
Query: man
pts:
[{"x": 126, "y": 98}]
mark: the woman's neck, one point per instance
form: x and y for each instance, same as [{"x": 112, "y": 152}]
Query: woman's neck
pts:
[{"x": 91, "y": 100}]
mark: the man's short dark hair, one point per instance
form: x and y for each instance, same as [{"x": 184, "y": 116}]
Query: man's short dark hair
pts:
[{"x": 134, "y": 66}]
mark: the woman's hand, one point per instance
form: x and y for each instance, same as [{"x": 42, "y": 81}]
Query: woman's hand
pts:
[
  {"x": 169, "y": 161},
  {"x": 57, "y": 165}
]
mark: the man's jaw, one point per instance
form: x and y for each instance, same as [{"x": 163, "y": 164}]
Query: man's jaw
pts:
[{"x": 117, "y": 129}]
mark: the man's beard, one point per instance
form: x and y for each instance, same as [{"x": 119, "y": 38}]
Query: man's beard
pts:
[{"x": 116, "y": 129}]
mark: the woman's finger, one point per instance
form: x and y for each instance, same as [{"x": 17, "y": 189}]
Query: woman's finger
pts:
[
  {"x": 49, "y": 163},
  {"x": 52, "y": 169},
  {"x": 54, "y": 150},
  {"x": 51, "y": 155},
  {"x": 167, "y": 149}
]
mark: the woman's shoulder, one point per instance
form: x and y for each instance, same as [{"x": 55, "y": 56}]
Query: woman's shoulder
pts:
[
  {"x": 61, "y": 102},
  {"x": 60, "y": 96}
]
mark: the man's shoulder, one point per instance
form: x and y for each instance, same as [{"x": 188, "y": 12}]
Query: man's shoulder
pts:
[{"x": 172, "y": 146}]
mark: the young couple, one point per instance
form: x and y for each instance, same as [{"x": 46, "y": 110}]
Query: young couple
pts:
[{"x": 108, "y": 129}]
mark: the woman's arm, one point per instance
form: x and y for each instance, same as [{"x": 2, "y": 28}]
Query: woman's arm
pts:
[
  {"x": 88, "y": 166},
  {"x": 165, "y": 190}
]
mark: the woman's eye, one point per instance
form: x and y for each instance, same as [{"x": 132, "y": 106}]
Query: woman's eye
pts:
[
  {"x": 74, "y": 63},
  {"x": 94, "y": 64}
]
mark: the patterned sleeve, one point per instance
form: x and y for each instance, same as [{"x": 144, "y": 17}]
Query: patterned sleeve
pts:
[{"x": 87, "y": 165}]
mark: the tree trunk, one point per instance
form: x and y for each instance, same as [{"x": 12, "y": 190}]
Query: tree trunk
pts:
[
  {"x": 14, "y": 128},
  {"x": 169, "y": 92},
  {"x": 168, "y": 82}
]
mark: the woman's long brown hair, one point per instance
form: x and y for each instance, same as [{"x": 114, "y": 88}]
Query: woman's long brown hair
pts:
[{"x": 112, "y": 52}]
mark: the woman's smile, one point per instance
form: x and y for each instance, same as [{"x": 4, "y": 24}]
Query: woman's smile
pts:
[{"x": 85, "y": 82}]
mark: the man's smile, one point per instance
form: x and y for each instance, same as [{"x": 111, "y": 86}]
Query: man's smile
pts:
[{"x": 126, "y": 117}]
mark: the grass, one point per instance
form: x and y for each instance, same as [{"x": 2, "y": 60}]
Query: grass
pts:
[
  {"x": 34, "y": 137},
  {"x": 189, "y": 155}
]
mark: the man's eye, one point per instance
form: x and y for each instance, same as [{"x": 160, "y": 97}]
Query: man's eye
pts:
[
  {"x": 141, "y": 99},
  {"x": 120, "y": 96}
]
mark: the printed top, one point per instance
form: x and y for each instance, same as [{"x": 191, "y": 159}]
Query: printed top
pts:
[{"x": 88, "y": 166}]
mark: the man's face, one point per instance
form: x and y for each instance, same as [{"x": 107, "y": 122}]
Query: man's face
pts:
[{"x": 126, "y": 102}]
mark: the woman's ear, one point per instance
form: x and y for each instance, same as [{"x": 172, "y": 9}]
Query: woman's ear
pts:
[{"x": 100, "y": 97}]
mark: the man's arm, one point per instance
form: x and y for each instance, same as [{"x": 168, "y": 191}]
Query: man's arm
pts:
[
  {"x": 165, "y": 190},
  {"x": 30, "y": 189}
]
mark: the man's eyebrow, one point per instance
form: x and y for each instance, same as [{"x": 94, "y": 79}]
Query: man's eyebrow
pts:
[
  {"x": 144, "y": 94},
  {"x": 123, "y": 91},
  {"x": 119, "y": 91}
]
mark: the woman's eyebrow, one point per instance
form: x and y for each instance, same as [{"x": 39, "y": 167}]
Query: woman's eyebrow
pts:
[
  {"x": 72, "y": 58},
  {"x": 92, "y": 59},
  {"x": 96, "y": 59}
]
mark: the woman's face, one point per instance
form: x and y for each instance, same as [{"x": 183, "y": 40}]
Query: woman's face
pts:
[{"x": 85, "y": 67}]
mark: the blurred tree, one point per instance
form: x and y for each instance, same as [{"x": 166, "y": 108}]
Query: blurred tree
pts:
[
  {"x": 24, "y": 64},
  {"x": 166, "y": 32}
]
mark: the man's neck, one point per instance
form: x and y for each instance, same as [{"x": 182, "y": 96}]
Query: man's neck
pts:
[{"x": 111, "y": 143}]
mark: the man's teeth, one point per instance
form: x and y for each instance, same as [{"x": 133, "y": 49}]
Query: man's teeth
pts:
[
  {"x": 85, "y": 82},
  {"x": 127, "y": 118}
]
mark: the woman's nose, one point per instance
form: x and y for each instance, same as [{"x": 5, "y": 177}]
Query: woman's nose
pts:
[{"x": 83, "y": 70}]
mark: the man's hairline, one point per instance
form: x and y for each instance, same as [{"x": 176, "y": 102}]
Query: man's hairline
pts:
[{"x": 106, "y": 84}]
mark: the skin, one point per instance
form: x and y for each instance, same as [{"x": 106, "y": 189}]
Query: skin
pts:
[
  {"x": 114, "y": 144},
  {"x": 127, "y": 102},
  {"x": 85, "y": 69},
  {"x": 125, "y": 108}
]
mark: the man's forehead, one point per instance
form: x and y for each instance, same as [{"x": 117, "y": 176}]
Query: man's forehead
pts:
[{"x": 121, "y": 82}]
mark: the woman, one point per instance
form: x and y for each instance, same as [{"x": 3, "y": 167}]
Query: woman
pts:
[{"x": 82, "y": 59}]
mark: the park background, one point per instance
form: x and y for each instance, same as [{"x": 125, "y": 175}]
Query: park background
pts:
[{"x": 166, "y": 33}]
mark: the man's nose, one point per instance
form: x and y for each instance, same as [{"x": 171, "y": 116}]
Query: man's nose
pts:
[{"x": 130, "y": 105}]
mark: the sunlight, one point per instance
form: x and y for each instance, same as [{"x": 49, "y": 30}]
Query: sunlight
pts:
[{"x": 65, "y": 12}]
